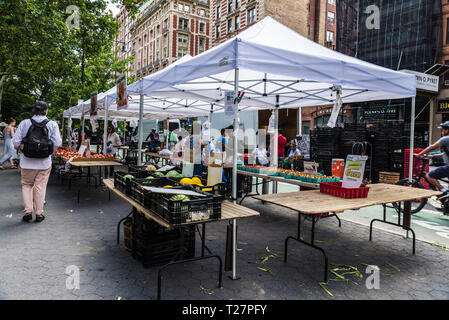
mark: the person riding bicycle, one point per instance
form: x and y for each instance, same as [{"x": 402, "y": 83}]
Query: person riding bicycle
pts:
[{"x": 441, "y": 172}]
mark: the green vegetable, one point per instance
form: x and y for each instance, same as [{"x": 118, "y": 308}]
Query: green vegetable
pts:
[
  {"x": 159, "y": 174},
  {"x": 128, "y": 176},
  {"x": 172, "y": 174},
  {"x": 181, "y": 197},
  {"x": 149, "y": 177}
]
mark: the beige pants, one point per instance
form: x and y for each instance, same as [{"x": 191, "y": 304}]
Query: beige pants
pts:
[{"x": 34, "y": 187}]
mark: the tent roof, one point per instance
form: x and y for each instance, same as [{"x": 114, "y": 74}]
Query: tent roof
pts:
[{"x": 273, "y": 60}]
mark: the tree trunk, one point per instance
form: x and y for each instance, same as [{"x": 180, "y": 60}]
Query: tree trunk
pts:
[{"x": 2, "y": 85}]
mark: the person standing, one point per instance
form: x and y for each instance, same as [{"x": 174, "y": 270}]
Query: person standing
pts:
[
  {"x": 282, "y": 141},
  {"x": 9, "y": 153},
  {"x": 112, "y": 143},
  {"x": 38, "y": 138}
]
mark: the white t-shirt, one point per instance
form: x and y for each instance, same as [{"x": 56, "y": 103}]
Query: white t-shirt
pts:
[
  {"x": 292, "y": 153},
  {"x": 261, "y": 155},
  {"x": 53, "y": 134}
]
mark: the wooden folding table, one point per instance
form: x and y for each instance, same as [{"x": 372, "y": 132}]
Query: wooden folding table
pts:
[{"x": 314, "y": 204}]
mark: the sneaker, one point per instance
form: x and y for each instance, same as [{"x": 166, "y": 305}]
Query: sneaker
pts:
[
  {"x": 444, "y": 195},
  {"x": 27, "y": 217},
  {"x": 40, "y": 218}
]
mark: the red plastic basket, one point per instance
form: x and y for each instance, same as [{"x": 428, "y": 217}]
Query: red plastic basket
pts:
[
  {"x": 417, "y": 163},
  {"x": 335, "y": 189}
]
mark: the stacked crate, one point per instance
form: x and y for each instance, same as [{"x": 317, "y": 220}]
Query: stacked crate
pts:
[
  {"x": 324, "y": 146},
  {"x": 153, "y": 244}
]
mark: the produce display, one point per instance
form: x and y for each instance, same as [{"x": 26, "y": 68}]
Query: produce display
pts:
[
  {"x": 290, "y": 174},
  {"x": 66, "y": 154}
]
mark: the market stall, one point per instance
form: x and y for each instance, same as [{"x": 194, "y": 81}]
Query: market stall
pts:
[{"x": 267, "y": 66}]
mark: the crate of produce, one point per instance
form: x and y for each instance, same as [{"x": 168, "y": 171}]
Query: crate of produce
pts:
[
  {"x": 122, "y": 181},
  {"x": 178, "y": 209},
  {"x": 336, "y": 189},
  {"x": 389, "y": 177},
  {"x": 138, "y": 193},
  {"x": 201, "y": 184}
]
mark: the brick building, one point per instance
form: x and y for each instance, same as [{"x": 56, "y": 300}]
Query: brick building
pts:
[
  {"x": 314, "y": 19},
  {"x": 166, "y": 30},
  {"x": 122, "y": 42}
]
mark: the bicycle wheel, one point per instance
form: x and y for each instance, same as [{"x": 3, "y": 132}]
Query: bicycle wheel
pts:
[{"x": 417, "y": 205}]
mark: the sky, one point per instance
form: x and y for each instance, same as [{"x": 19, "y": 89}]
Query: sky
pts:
[{"x": 114, "y": 8}]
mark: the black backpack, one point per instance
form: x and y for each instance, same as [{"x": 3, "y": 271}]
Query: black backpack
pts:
[{"x": 37, "y": 144}]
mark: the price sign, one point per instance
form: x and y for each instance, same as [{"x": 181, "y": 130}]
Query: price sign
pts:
[{"x": 354, "y": 170}]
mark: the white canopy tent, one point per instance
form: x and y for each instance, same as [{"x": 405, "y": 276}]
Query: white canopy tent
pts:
[{"x": 276, "y": 68}]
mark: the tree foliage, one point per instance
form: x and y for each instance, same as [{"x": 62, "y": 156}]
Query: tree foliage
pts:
[{"x": 42, "y": 58}]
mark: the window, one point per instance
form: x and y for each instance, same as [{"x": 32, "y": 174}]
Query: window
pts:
[
  {"x": 183, "y": 24},
  {"x": 217, "y": 32},
  {"x": 251, "y": 15},
  {"x": 202, "y": 12},
  {"x": 331, "y": 2},
  {"x": 165, "y": 52},
  {"x": 180, "y": 7},
  {"x": 237, "y": 22},
  {"x": 186, "y": 8},
  {"x": 330, "y": 17},
  {"x": 151, "y": 35},
  {"x": 306, "y": 127},
  {"x": 218, "y": 12},
  {"x": 183, "y": 45},
  {"x": 201, "y": 44},
  {"x": 329, "y": 36},
  {"x": 202, "y": 28},
  {"x": 229, "y": 25},
  {"x": 230, "y": 5},
  {"x": 158, "y": 29},
  {"x": 237, "y": 4}
]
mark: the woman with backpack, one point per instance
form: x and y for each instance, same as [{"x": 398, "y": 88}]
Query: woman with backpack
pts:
[
  {"x": 38, "y": 138},
  {"x": 9, "y": 153}
]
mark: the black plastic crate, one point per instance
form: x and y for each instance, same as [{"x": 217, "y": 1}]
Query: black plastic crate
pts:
[
  {"x": 219, "y": 189},
  {"x": 178, "y": 211},
  {"x": 154, "y": 244},
  {"x": 138, "y": 193},
  {"x": 122, "y": 184}
]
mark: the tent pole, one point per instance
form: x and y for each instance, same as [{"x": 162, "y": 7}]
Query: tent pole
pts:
[
  {"x": 412, "y": 139},
  {"x": 276, "y": 141},
  {"x": 234, "y": 176},
  {"x": 139, "y": 151},
  {"x": 82, "y": 126},
  {"x": 63, "y": 131},
  {"x": 105, "y": 129},
  {"x": 68, "y": 132}
]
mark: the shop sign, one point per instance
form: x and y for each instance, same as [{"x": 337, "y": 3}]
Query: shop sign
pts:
[
  {"x": 443, "y": 106},
  {"x": 425, "y": 81},
  {"x": 376, "y": 111}
]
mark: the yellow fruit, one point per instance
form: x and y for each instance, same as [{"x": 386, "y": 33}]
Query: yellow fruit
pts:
[
  {"x": 168, "y": 186},
  {"x": 207, "y": 190},
  {"x": 196, "y": 180},
  {"x": 185, "y": 181}
]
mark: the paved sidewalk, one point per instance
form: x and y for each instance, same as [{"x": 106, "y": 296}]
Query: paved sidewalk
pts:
[{"x": 34, "y": 257}]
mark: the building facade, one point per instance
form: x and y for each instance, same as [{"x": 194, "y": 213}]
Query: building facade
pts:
[
  {"x": 314, "y": 19},
  {"x": 122, "y": 42},
  {"x": 166, "y": 30}
]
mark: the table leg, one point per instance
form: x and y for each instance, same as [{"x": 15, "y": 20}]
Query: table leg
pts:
[
  {"x": 326, "y": 262},
  {"x": 234, "y": 250},
  {"x": 405, "y": 225},
  {"x": 203, "y": 240}
]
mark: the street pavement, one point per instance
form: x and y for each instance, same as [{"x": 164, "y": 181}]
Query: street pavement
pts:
[{"x": 34, "y": 256}]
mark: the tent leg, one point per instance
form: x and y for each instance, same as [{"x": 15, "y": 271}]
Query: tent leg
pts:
[
  {"x": 105, "y": 129},
  {"x": 276, "y": 141},
  {"x": 412, "y": 139},
  {"x": 234, "y": 176},
  {"x": 139, "y": 155}
]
